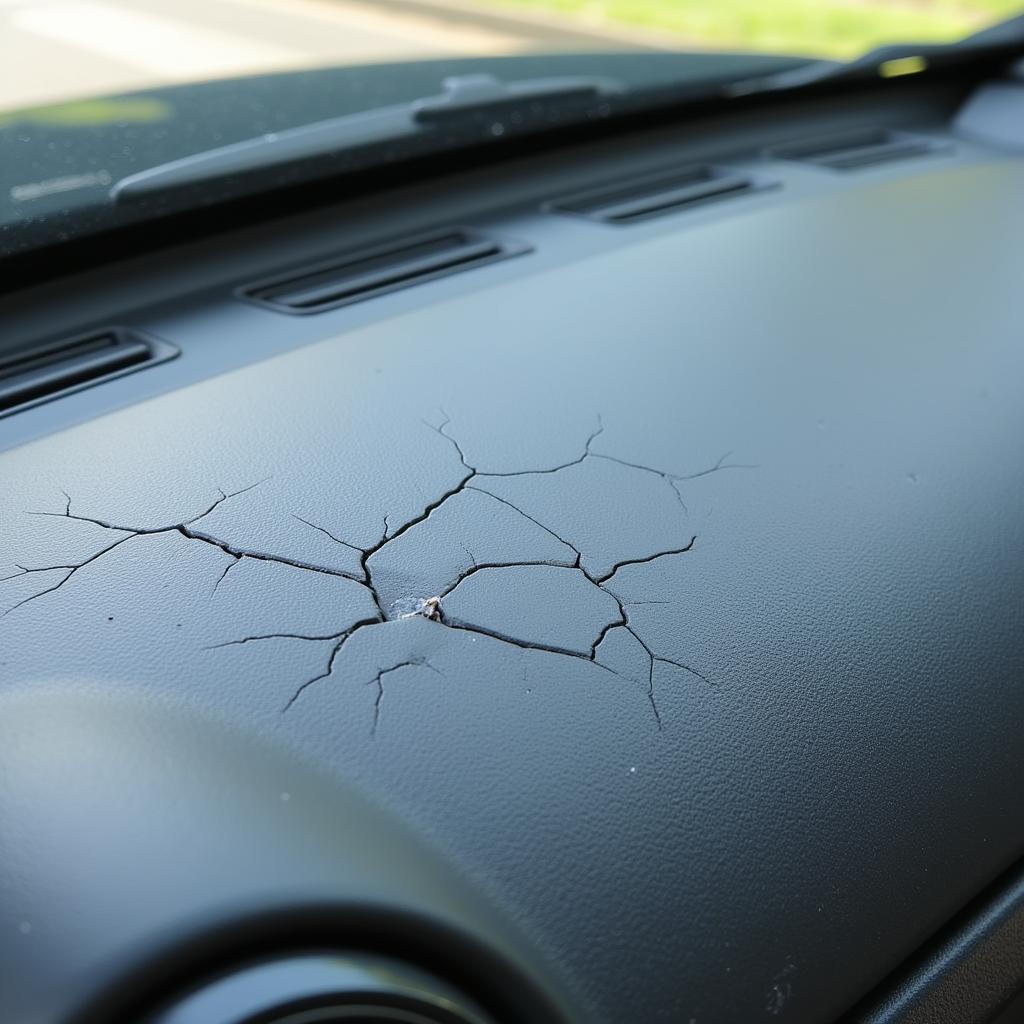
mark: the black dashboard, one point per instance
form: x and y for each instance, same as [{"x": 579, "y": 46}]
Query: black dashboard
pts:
[{"x": 587, "y": 588}]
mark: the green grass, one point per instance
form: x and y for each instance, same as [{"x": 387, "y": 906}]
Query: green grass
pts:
[
  {"x": 92, "y": 112},
  {"x": 828, "y": 28}
]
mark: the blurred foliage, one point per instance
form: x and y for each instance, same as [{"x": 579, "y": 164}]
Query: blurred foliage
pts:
[
  {"x": 114, "y": 110},
  {"x": 826, "y": 28}
]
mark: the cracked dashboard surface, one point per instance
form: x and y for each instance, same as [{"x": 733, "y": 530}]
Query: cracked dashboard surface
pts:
[{"x": 674, "y": 594}]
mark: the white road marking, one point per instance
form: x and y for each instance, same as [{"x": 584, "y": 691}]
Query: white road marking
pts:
[
  {"x": 160, "y": 46},
  {"x": 413, "y": 32},
  {"x": 60, "y": 50}
]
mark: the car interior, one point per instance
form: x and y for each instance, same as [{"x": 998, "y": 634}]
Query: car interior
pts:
[{"x": 571, "y": 574}]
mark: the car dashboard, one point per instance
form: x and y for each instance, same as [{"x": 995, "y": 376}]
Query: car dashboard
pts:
[{"x": 584, "y": 588}]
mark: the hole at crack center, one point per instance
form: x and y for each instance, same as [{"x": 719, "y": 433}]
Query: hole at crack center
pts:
[{"x": 411, "y": 607}]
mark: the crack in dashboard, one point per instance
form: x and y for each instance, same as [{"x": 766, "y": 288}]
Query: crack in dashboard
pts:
[{"x": 596, "y": 586}]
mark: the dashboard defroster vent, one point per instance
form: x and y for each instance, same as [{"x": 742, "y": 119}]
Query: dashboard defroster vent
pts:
[
  {"x": 852, "y": 151},
  {"x": 650, "y": 196},
  {"x": 367, "y": 273},
  {"x": 36, "y": 374}
]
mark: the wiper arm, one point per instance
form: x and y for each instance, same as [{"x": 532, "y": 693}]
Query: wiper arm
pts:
[
  {"x": 474, "y": 102},
  {"x": 891, "y": 60},
  {"x": 478, "y": 107}
]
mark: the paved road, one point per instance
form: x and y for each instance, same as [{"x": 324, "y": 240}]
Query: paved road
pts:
[{"x": 53, "y": 50}]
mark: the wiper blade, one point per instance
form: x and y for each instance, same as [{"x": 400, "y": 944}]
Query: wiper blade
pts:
[
  {"x": 474, "y": 108},
  {"x": 480, "y": 104},
  {"x": 891, "y": 60}
]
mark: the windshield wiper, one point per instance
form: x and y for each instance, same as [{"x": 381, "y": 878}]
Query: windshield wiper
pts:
[
  {"x": 476, "y": 108},
  {"x": 480, "y": 105},
  {"x": 890, "y": 61}
]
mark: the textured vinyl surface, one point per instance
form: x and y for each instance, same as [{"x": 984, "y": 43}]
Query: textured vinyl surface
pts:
[{"x": 725, "y": 706}]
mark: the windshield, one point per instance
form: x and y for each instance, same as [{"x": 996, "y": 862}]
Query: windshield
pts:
[
  {"x": 58, "y": 50},
  {"x": 94, "y": 91}
]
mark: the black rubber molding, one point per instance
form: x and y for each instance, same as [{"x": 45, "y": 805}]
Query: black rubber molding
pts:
[{"x": 971, "y": 973}]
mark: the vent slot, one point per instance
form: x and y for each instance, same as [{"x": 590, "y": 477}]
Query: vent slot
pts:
[
  {"x": 372, "y": 272},
  {"x": 852, "y": 151},
  {"x": 654, "y": 195},
  {"x": 40, "y": 373}
]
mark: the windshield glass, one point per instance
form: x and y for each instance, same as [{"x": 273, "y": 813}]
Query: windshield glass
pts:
[
  {"x": 58, "y": 50},
  {"x": 94, "y": 91}
]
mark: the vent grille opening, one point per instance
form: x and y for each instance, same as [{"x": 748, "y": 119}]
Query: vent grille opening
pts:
[
  {"x": 852, "y": 151},
  {"x": 368, "y": 273},
  {"x": 654, "y": 195},
  {"x": 40, "y": 373}
]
